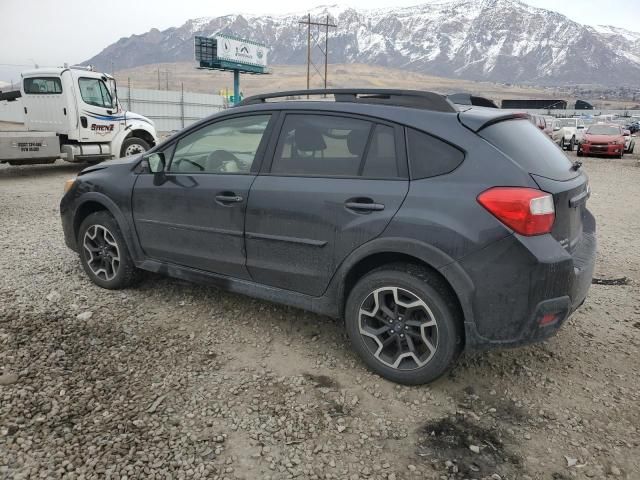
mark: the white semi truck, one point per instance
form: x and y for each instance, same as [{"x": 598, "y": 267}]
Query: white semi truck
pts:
[{"x": 73, "y": 113}]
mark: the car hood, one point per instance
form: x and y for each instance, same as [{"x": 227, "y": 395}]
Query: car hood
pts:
[
  {"x": 132, "y": 160},
  {"x": 602, "y": 138}
]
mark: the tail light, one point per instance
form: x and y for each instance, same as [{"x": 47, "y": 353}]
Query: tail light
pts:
[{"x": 525, "y": 210}]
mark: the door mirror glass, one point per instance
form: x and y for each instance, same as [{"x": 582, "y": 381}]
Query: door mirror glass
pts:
[
  {"x": 580, "y": 127},
  {"x": 156, "y": 162}
]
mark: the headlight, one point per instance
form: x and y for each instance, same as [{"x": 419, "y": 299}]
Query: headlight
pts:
[{"x": 68, "y": 184}]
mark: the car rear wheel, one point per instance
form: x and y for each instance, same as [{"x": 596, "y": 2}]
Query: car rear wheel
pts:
[
  {"x": 572, "y": 143},
  {"x": 103, "y": 252},
  {"x": 404, "y": 324}
]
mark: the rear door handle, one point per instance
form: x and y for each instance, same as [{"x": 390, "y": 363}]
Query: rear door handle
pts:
[
  {"x": 364, "y": 205},
  {"x": 229, "y": 198}
]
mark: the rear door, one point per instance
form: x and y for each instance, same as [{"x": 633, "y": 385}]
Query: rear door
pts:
[
  {"x": 194, "y": 216},
  {"x": 334, "y": 183}
]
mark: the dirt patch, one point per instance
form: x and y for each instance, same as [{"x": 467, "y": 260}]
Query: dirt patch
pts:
[
  {"x": 466, "y": 447},
  {"x": 322, "y": 381}
]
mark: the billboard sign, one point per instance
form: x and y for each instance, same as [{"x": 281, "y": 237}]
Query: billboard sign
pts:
[{"x": 236, "y": 50}]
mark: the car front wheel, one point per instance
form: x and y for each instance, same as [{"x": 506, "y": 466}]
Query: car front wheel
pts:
[
  {"x": 404, "y": 323},
  {"x": 103, "y": 252}
]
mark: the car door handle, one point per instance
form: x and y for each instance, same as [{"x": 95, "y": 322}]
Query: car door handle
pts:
[
  {"x": 229, "y": 198},
  {"x": 364, "y": 206}
]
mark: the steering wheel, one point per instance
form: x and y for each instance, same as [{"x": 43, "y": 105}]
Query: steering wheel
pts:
[
  {"x": 222, "y": 161},
  {"x": 185, "y": 160}
]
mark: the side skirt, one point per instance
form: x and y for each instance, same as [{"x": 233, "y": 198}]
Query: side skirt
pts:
[{"x": 324, "y": 305}]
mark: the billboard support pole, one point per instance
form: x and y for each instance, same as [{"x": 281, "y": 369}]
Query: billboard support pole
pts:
[{"x": 236, "y": 87}]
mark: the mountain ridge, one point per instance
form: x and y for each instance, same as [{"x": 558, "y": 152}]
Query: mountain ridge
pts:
[{"x": 488, "y": 40}]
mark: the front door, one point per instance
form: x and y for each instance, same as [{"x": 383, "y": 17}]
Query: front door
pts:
[
  {"x": 335, "y": 183},
  {"x": 194, "y": 215},
  {"x": 100, "y": 119}
]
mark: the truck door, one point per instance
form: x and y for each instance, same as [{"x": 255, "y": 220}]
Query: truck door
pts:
[
  {"x": 45, "y": 104},
  {"x": 99, "y": 119}
]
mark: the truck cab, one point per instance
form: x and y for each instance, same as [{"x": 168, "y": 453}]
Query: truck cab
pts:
[{"x": 81, "y": 107}]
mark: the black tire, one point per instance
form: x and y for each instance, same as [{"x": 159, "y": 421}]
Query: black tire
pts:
[
  {"x": 562, "y": 144},
  {"x": 572, "y": 143},
  {"x": 126, "y": 273},
  {"x": 425, "y": 287},
  {"x": 579, "y": 153},
  {"x": 134, "y": 143}
]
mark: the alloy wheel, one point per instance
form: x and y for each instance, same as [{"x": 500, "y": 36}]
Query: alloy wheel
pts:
[
  {"x": 103, "y": 254},
  {"x": 398, "y": 328}
]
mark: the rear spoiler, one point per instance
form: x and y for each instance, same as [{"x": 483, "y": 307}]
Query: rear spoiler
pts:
[
  {"x": 10, "y": 96},
  {"x": 475, "y": 119}
]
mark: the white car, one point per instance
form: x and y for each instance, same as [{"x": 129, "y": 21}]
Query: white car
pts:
[
  {"x": 568, "y": 132},
  {"x": 629, "y": 141}
]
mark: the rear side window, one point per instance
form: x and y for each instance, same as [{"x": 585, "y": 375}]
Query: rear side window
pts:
[
  {"x": 381, "y": 159},
  {"x": 321, "y": 145},
  {"x": 42, "y": 85},
  {"x": 530, "y": 148},
  {"x": 429, "y": 156}
]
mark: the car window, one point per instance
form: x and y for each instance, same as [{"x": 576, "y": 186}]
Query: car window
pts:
[
  {"x": 226, "y": 146},
  {"x": 381, "y": 161},
  {"x": 429, "y": 156},
  {"x": 42, "y": 85},
  {"x": 321, "y": 145},
  {"x": 95, "y": 92}
]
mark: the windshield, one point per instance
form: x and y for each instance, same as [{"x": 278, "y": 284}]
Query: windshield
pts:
[
  {"x": 567, "y": 122},
  {"x": 603, "y": 130}
]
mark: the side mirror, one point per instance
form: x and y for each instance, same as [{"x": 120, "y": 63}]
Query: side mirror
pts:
[
  {"x": 156, "y": 162},
  {"x": 556, "y": 129},
  {"x": 580, "y": 127}
]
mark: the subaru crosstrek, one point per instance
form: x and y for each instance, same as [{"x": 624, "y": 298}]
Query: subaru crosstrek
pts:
[{"x": 428, "y": 227}]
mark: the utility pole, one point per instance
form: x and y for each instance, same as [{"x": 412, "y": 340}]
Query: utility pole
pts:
[{"x": 314, "y": 42}]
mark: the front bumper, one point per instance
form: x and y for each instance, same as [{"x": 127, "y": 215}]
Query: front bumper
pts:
[
  {"x": 523, "y": 282},
  {"x": 609, "y": 150}
]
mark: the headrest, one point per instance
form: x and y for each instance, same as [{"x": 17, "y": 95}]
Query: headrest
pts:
[
  {"x": 309, "y": 139},
  {"x": 356, "y": 141}
]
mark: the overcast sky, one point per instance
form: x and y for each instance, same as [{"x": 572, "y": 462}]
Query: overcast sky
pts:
[{"x": 51, "y": 32}]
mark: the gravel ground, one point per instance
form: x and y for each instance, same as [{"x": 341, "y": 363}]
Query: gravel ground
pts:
[{"x": 174, "y": 380}]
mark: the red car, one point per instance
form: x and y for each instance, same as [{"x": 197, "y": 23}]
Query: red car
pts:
[{"x": 602, "y": 140}]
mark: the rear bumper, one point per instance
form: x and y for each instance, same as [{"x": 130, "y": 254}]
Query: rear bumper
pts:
[
  {"x": 609, "y": 150},
  {"x": 525, "y": 288}
]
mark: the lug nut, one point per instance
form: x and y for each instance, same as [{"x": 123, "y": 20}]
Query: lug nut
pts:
[{"x": 392, "y": 331}]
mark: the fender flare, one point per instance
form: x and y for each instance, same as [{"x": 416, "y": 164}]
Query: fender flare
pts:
[
  {"x": 116, "y": 143},
  {"x": 449, "y": 268},
  {"x": 124, "y": 225}
]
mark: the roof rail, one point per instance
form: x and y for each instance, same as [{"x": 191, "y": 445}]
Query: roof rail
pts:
[
  {"x": 403, "y": 98},
  {"x": 468, "y": 99}
]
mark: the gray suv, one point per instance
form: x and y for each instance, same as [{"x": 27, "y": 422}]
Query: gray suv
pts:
[{"x": 428, "y": 227}]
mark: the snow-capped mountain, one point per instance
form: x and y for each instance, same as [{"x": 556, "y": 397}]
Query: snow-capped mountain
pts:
[{"x": 497, "y": 40}]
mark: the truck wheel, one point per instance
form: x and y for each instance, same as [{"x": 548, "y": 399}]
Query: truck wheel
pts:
[
  {"x": 133, "y": 146},
  {"x": 103, "y": 252},
  {"x": 572, "y": 143},
  {"x": 404, "y": 324}
]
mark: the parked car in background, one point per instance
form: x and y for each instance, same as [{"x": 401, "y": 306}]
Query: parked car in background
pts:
[
  {"x": 541, "y": 123},
  {"x": 602, "y": 139},
  {"x": 568, "y": 132},
  {"x": 428, "y": 228},
  {"x": 633, "y": 127},
  {"x": 629, "y": 141}
]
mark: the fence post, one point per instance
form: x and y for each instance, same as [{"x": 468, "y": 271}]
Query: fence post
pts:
[
  {"x": 129, "y": 94},
  {"x": 182, "y": 103}
]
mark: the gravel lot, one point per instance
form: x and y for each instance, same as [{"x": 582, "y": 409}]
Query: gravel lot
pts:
[{"x": 174, "y": 380}]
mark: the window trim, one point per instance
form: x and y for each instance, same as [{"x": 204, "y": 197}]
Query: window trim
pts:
[
  {"x": 99, "y": 80},
  {"x": 260, "y": 152},
  {"x": 401, "y": 152},
  {"x": 406, "y": 146},
  {"x": 59, "y": 82}
]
